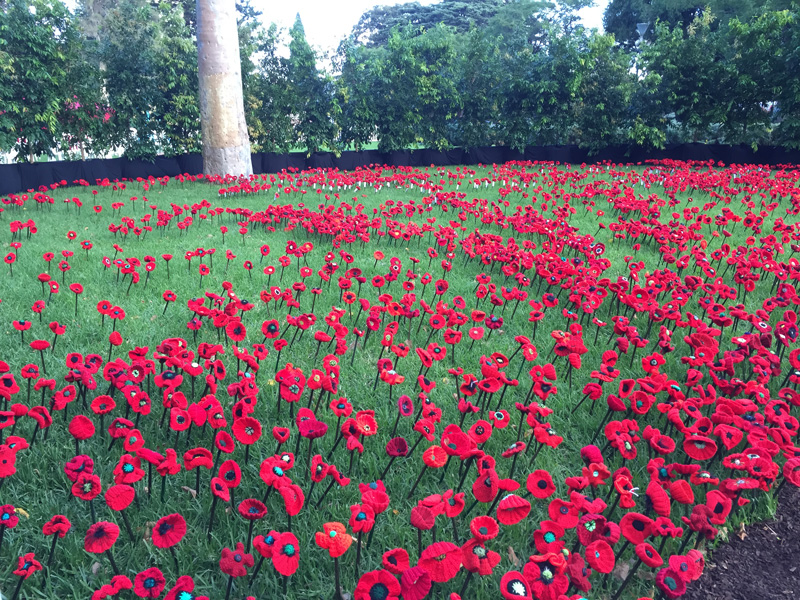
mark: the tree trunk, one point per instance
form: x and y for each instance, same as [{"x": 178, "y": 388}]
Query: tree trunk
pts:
[{"x": 226, "y": 144}]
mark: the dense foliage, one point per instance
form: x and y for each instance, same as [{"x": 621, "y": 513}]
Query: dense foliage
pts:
[{"x": 122, "y": 77}]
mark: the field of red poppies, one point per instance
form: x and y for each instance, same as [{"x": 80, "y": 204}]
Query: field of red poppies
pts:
[{"x": 511, "y": 381}]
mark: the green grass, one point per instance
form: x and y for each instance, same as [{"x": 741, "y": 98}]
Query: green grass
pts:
[{"x": 41, "y": 489}]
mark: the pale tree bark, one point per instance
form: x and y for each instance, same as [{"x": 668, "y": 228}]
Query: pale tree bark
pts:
[{"x": 226, "y": 144}]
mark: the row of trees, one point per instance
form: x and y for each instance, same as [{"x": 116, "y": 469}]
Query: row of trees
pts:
[{"x": 123, "y": 75}]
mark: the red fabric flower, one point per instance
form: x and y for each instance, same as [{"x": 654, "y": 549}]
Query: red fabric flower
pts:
[
  {"x": 235, "y": 562},
  {"x": 377, "y": 584},
  {"x": 442, "y": 561},
  {"x": 169, "y": 531},
  {"x": 286, "y": 554},
  {"x": 100, "y": 537},
  {"x": 149, "y": 583},
  {"x": 334, "y": 539}
]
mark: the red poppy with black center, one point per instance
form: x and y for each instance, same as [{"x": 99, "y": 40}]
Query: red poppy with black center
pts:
[
  {"x": 169, "y": 531},
  {"x": 100, "y": 537},
  {"x": 481, "y": 431},
  {"x": 377, "y": 585},
  {"x": 58, "y": 525},
  {"x": 540, "y": 484},
  {"x": 564, "y": 513},
  {"x": 636, "y": 527}
]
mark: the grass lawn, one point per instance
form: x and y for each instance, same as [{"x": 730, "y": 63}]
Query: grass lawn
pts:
[{"x": 431, "y": 196}]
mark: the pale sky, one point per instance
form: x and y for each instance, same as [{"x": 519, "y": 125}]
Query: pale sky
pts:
[{"x": 327, "y": 22}]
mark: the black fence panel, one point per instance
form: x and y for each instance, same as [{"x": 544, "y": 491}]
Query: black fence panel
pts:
[{"x": 21, "y": 177}]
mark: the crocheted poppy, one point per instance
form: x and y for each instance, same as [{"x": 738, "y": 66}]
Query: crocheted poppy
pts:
[
  {"x": 286, "y": 554},
  {"x": 27, "y": 565},
  {"x": 57, "y": 525},
  {"x": 514, "y": 586},
  {"x": 546, "y": 575},
  {"x": 362, "y": 518},
  {"x": 699, "y": 447},
  {"x": 220, "y": 489},
  {"x": 252, "y": 509},
  {"x": 415, "y": 583},
  {"x": 100, "y": 537},
  {"x": 423, "y": 517},
  {"x": 119, "y": 497},
  {"x": 8, "y": 516},
  {"x": 395, "y": 561},
  {"x": 512, "y": 509},
  {"x": 334, "y": 538},
  {"x": 442, "y": 561},
  {"x": 636, "y": 527},
  {"x": 293, "y": 498},
  {"x": 235, "y": 563},
  {"x": 169, "y": 531},
  {"x": 600, "y": 556},
  {"x": 377, "y": 585},
  {"x": 183, "y": 590},
  {"x": 484, "y": 528},
  {"x": 87, "y": 486},
  {"x": 548, "y": 538},
  {"x": 648, "y": 555},
  {"x": 149, "y": 583},
  {"x": 670, "y": 583},
  {"x": 540, "y": 484},
  {"x": 477, "y": 558},
  {"x": 564, "y": 513}
]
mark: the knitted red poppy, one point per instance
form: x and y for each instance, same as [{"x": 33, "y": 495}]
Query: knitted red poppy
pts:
[
  {"x": 514, "y": 586},
  {"x": 169, "y": 531},
  {"x": 377, "y": 584},
  {"x": 415, "y": 583},
  {"x": 334, "y": 538},
  {"x": 442, "y": 561},
  {"x": 512, "y": 509},
  {"x": 600, "y": 556},
  {"x": 235, "y": 562},
  {"x": 149, "y": 583},
  {"x": 396, "y": 560},
  {"x": 540, "y": 484},
  {"x": 100, "y": 537}
]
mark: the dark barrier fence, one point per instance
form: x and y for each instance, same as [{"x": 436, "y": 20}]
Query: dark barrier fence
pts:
[{"x": 23, "y": 176}]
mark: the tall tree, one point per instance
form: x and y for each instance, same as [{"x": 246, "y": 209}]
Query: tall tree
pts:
[
  {"x": 313, "y": 93},
  {"x": 226, "y": 144},
  {"x": 33, "y": 83}
]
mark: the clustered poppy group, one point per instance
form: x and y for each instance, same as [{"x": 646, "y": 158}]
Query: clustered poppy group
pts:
[{"x": 695, "y": 375}]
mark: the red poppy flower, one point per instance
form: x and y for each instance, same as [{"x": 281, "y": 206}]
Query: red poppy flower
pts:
[
  {"x": 395, "y": 561},
  {"x": 377, "y": 584},
  {"x": 119, "y": 497},
  {"x": 149, "y": 583},
  {"x": 27, "y": 565},
  {"x": 182, "y": 590},
  {"x": 600, "y": 556},
  {"x": 415, "y": 583},
  {"x": 540, "y": 484},
  {"x": 286, "y": 554},
  {"x": 442, "y": 561},
  {"x": 57, "y": 525},
  {"x": 670, "y": 583},
  {"x": 512, "y": 509},
  {"x": 169, "y": 531},
  {"x": 514, "y": 586},
  {"x": 648, "y": 555},
  {"x": 334, "y": 538},
  {"x": 234, "y": 563},
  {"x": 100, "y": 537},
  {"x": 87, "y": 486}
]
